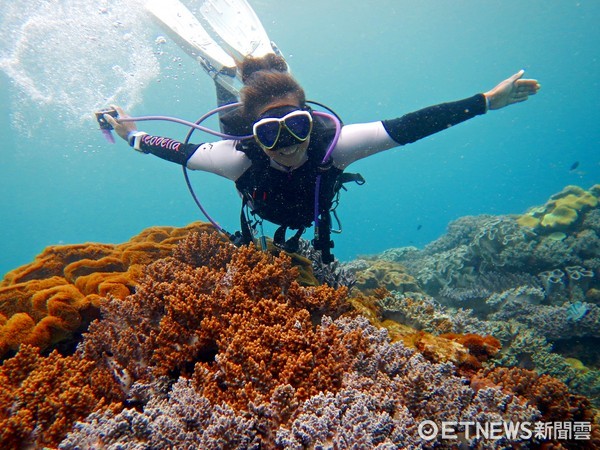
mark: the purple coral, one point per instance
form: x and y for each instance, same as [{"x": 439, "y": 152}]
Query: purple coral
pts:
[
  {"x": 184, "y": 419},
  {"x": 349, "y": 419},
  {"x": 383, "y": 398},
  {"x": 390, "y": 392}
]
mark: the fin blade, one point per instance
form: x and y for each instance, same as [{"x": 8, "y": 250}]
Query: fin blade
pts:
[
  {"x": 184, "y": 27},
  {"x": 237, "y": 27}
]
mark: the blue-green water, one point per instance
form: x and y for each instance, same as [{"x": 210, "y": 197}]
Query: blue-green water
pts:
[{"x": 61, "y": 182}]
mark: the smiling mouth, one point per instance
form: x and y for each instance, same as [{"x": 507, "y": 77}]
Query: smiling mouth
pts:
[{"x": 288, "y": 151}]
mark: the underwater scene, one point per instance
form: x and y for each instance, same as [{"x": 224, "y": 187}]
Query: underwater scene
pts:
[{"x": 462, "y": 309}]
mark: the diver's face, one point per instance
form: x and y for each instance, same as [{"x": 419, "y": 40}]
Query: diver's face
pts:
[{"x": 283, "y": 132}]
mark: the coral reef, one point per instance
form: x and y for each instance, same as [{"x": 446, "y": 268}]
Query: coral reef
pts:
[
  {"x": 57, "y": 295},
  {"x": 548, "y": 395},
  {"x": 373, "y": 274},
  {"x": 42, "y": 397},
  {"x": 384, "y": 393},
  {"x": 522, "y": 336},
  {"x": 540, "y": 276},
  {"x": 175, "y": 418},
  {"x": 195, "y": 343},
  {"x": 235, "y": 322},
  {"x": 239, "y": 326}
]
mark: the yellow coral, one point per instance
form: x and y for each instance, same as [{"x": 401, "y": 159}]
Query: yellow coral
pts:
[
  {"x": 578, "y": 202},
  {"x": 557, "y": 236},
  {"x": 576, "y": 364},
  {"x": 528, "y": 220},
  {"x": 562, "y": 210},
  {"x": 385, "y": 274},
  {"x": 561, "y": 216}
]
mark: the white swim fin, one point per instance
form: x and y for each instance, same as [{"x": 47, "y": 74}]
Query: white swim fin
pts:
[
  {"x": 174, "y": 17},
  {"x": 235, "y": 25}
]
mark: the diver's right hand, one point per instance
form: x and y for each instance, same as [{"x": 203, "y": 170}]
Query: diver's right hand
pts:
[{"x": 121, "y": 128}]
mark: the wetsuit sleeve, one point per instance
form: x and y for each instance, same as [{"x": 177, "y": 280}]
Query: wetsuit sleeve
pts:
[
  {"x": 220, "y": 158},
  {"x": 165, "y": 148},
  {"x": 358, "y": 141},
  {"x": 427, "y": 121}
]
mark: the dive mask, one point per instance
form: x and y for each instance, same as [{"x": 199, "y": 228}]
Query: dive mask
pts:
[{"x": 293, "y": 126}]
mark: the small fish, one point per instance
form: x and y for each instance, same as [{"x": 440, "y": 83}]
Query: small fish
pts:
[
  {"x": 419, "y": 227},
  {"x": 576, "y": 311},
  {"x": 574, "y": 166}
]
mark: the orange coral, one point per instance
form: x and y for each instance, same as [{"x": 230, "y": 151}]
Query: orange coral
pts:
[
  {"x": 42, "y": 397},
  {"x": 440, "y": 349},
  {"x": 59, "y": 293},
  {"x": 240, "y": 326},
  {"x": 481, "y": 347}
]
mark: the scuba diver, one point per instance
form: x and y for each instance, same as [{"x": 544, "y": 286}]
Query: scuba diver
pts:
[{"x": 287, "y": 160}]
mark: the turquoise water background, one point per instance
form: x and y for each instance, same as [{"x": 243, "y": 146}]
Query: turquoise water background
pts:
[{"x": 62, "y": 183}]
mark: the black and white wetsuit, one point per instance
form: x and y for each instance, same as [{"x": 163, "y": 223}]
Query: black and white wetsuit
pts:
[{"x": 357, "y": 141}]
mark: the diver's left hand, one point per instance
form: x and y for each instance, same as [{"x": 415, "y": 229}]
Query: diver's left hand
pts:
[{"x": 512, "y": 90}]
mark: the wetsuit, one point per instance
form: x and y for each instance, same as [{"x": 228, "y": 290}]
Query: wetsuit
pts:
[{"x": 356, "y": 141}]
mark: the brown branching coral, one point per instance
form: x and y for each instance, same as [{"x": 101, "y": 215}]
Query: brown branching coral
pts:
[
  {"x": 204, "y": 249},
  {"x": 235, "y": 320},
  {"x": 546, "y": 393},
  {"x": 42, "y": 397},
  {"x": 59, "y": 293}
]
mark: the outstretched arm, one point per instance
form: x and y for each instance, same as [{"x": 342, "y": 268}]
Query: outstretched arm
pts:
[
  {"x": 221, "y": 157},
  {"x": 427, "y": 121},
  {"x": 165, "y": 148},
  {"x": 512, "y": 90},
  {"x": 361, "y": 140}
]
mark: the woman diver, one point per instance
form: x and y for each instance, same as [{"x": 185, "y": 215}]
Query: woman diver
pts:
[{"x": 292, "y": 161}]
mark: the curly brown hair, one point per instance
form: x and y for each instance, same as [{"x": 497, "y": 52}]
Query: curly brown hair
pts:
[{"x": 267, "y": 79}]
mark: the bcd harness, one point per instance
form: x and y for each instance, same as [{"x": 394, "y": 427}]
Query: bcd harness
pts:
[{"x": 287, "y": 198}]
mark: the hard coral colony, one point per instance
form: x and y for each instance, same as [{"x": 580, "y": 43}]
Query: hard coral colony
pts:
[{"x": 177, "y": 339}]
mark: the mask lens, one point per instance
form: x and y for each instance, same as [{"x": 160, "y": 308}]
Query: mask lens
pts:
[
  {"x": 267, "y": 132},
  {"x": 299, "y": 125}
]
